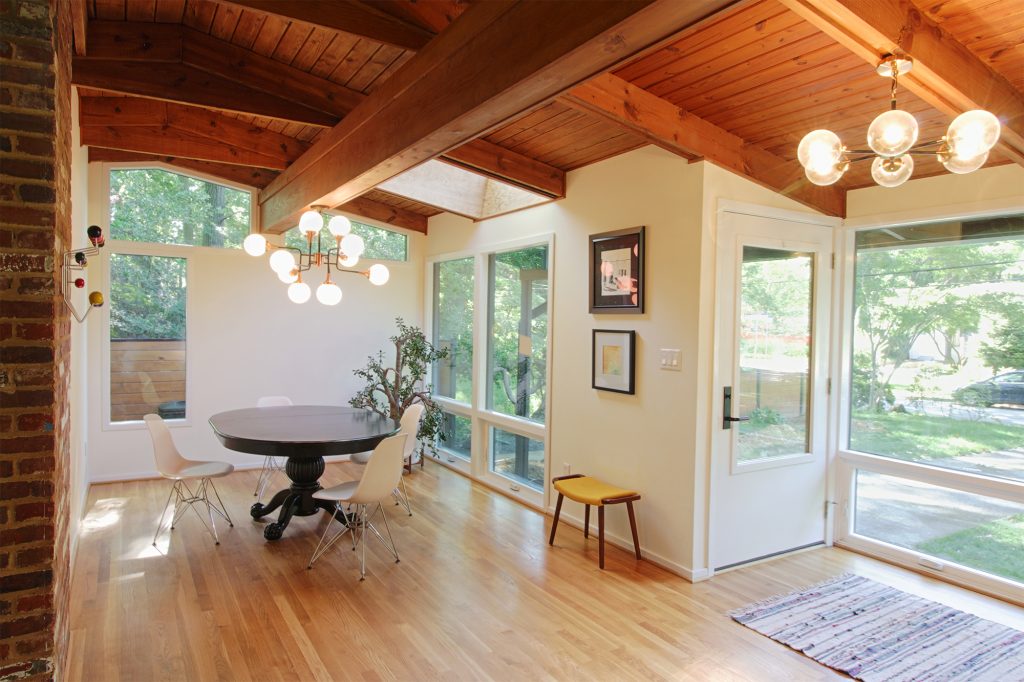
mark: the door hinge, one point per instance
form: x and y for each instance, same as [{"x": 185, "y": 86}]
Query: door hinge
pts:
[
  {"x": 833, "y": 261},
  {"x": 828, "y": 386}
]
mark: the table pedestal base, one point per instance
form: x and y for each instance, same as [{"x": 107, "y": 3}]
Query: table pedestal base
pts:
[{"x": 297, "y": 500}]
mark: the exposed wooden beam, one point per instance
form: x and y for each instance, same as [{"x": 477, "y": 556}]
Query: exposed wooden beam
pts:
[
  {"x": 79, "y": 18},
  {"x": 267, "y": 75},
  {"x": 189, "y": 85},
  {"x": 946, "y": 74},
  {"x": 134, "y": 40},
  {"x": 351, "y": 17},
  {"x": 490, "y": 159},
  {"x": 259, "y": 178},
  {"x": 669, "y": 127},
  {"x": 138, "y": 111},
  {"x": 148, "y": 126},
  {"x": 385, "y": 213},
  {"x": 178, "y": 64},
  {"x": 499, "y": 60},
  {"x": 245, "y": 175}
]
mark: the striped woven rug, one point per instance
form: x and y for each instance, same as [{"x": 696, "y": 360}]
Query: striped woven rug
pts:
[{"x": 875, "y": 632}]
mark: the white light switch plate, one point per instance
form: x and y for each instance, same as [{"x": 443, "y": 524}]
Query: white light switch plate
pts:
[{"x": 670, "y": 359}]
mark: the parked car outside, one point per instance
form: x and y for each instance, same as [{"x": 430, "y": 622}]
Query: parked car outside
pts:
[{"x": 1005, "y": 389}]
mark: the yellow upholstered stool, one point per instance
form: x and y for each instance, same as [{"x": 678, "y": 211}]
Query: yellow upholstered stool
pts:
[{"x": 590, "y": 491}]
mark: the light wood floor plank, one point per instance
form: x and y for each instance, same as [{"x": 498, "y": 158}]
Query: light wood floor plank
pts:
[{"x": 478, "y": 595}]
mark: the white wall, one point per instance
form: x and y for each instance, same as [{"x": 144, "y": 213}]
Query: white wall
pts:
[
  {"x": 77, "y": 390},
  {"x": 246, "y": 339},
  {"x": 940, "y": 196},
  {"x": 646, "y": 439}
]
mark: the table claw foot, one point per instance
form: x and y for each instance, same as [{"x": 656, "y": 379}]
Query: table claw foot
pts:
[
  {"x": 260, "y": 510},
  {"x": 273, "y": 531}
]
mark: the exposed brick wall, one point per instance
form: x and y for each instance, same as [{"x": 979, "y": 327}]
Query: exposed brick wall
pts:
[{"x": 35, "y": 351}]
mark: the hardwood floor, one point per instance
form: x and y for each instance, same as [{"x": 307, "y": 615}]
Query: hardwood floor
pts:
[{"x": 478, "y": 595}]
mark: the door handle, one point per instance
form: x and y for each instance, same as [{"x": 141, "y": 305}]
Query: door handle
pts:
[{"x": 727, "y": 418}]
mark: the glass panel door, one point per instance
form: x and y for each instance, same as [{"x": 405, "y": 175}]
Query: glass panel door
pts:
[{"x": 774, "y": 352}]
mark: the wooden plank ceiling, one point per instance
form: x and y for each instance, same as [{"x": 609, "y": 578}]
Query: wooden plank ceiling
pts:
[{"x": 260, "y": 84}]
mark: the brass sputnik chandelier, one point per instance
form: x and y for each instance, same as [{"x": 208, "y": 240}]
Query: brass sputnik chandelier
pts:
[
  {"x": 290, "y": 262},
  {"x": 892, "y": 141}
]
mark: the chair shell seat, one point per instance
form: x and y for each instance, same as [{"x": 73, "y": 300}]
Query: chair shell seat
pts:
[
  {"x": 200, "y": 470},
  {"x": 338, "y": 493},
  {"x": 589, "y": 490}
]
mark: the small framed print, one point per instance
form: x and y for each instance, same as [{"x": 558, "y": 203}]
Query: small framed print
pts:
[
  {"x": 613, "y": 367},
  {"x": 617, "y": 271}
]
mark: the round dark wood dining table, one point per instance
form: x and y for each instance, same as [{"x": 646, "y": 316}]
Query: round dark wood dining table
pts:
[{"x": 305, "y": 434}]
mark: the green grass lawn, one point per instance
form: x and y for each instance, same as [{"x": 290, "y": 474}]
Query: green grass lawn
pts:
[
  {"x": 919, "y": 437},
  {"x": 996, "y": 547}
]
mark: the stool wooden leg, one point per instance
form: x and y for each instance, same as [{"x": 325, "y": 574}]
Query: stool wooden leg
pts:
[
  {"x": 632, "y": 527},
  {"x": 554, "y": 523},
  {"x": 586, "y": 520},
  {"x": 600, "y": 533}
]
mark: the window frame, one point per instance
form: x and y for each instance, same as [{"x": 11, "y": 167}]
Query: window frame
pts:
[
  {"x": 482, "y": 418},
  {"x": 107, "y": 167},
  {"x": 140, "y": 248},
  {"x": 848, "y": 461}
]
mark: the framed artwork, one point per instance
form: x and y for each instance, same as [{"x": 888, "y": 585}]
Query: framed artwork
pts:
[
  {"x": 614, "y": 361},
  {"x": 617, "y": 271}
]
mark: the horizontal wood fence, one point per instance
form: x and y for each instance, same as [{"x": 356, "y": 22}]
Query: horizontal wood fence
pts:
[
  {"x": 783, "y": 392},
  {"x": 143, "y": 375}
]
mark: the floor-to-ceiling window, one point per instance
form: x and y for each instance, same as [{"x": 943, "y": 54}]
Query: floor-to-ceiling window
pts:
[
  {"x": 490, "y": 311},
  {"x": 932, "y": 453}
]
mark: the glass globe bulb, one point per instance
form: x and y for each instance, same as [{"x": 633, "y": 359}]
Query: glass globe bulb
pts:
[
  {"x": 353, "y": 245},
  {"x": 825, "y": 176},
  {"x": 288, "y": 276},
  {"x": 819, "y": 149},
  {"x": 255, "y": 244},
  {"x": 348, "y": 261},
  {"x": 379, "y": 274},
  {"x": 299, "y": 292},
  {"x": 892, "y": 172},
  {"x": 311, "y": 221},
  {"x": 892, "y": 133},
  {"x": 973, "y": 133},
  {"x": 339, "y": 225},
  {"x": 961, "y": 166},
  {"x": 328, "y": 293},
  {"x": 282, "y": 261}
]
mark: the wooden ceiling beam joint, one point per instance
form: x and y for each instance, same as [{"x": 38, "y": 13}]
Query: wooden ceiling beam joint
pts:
[
  {"x": 669, "y": 127},
  {"x": 946, "y": 74}
]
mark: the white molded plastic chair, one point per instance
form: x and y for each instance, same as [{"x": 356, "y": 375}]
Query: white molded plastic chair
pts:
[
  {"x": 270, "y": 464},
  {"x": 172, "y": 465},
  {"x": 410, "y": 426},
  {"x": 380, "y": 478}
]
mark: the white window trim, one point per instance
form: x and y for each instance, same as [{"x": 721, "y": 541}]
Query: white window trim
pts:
[
  {"x": 478, "y": 467},
  {"x": 849, "y": 461},
  {"x": 134, "y": 248},
  {"x": 146, "y": 249}
]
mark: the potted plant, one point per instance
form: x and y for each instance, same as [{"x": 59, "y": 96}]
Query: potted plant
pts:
[{"x": 390, "y": 389}]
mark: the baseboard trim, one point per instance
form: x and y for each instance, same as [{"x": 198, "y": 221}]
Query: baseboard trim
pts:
[
  {"x": 626, "y": 545},
  {"x": 149, "y": 475}
]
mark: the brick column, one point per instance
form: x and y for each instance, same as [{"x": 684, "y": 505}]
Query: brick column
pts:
[{"x": 35, "y": 349}]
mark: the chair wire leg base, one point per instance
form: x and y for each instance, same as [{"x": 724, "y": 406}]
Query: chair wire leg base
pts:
[
  {"x": 323, "y": 546},
  {"x": 401, "y": 495},
  {"x": 185, "y": 498}
]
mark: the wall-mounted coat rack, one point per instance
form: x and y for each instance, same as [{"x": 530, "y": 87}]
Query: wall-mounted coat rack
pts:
[{"x": 76, "y": 261}]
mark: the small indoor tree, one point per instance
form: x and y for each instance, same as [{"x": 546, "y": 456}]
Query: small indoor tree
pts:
[{"x": 391, "y": 389}]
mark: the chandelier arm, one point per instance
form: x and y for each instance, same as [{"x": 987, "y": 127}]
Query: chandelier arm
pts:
[{"x": 350, "y": 272}]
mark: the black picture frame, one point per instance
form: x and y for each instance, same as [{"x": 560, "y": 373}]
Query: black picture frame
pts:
[
  {"x": 624, "y": 379},
  {"x": 617, "y": 257}
]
